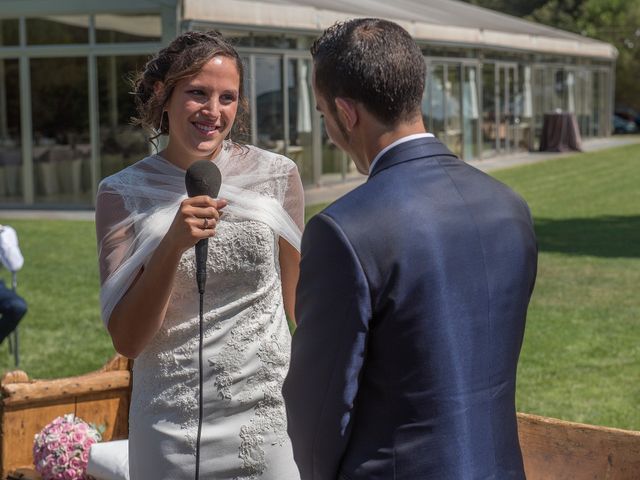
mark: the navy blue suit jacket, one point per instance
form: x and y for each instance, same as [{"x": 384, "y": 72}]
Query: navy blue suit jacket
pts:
[{"x": 411, "y": 306}]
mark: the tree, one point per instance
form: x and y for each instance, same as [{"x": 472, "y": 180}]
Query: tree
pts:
[
  {"x": 613, "y": 21},
  {"x": 563, "y": 14},
  {"x": 518, "y": 8},
  {"x": 618, "y": 22}
]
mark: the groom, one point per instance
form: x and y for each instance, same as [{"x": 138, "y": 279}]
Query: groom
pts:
[{"x": 413, "y": 289}]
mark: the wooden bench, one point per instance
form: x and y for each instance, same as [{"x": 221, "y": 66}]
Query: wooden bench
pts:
[
  {"x": 100, "y": 397},
  {"x": 552, "y": 449},
  {"x": 559, "y": 450}
]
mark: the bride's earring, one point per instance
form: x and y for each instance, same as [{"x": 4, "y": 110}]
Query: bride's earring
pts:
[{"x": 161, "y": 119}]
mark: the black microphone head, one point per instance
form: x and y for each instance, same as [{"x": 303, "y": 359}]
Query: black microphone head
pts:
[{"x": 203, "y": 177}]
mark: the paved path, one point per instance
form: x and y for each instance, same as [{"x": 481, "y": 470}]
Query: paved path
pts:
[{"x": 330, "y": 191}]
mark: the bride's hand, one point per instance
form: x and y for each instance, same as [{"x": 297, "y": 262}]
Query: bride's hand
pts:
[{"x": 196, "y": 219}]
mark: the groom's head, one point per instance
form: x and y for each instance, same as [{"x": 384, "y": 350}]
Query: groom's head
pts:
[
  {"x": 373, "y": 61},
  {"x": 372, "y": 64}
]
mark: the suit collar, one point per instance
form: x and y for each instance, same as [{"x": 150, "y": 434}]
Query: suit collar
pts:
[
  {"x": 411, "y": 150},
  {"x": 398, "y": 142}
]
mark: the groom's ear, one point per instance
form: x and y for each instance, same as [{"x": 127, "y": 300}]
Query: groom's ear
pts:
[{"x": 347, "y": 112}]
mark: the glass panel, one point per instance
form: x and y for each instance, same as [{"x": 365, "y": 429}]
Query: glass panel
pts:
[
  {"x": 262, "y": 40},
  {"x": 448, "y": 52},
  {"x": 550, "y": 104},
  {"x": 58, "y": 30},
  {"x": 470, "y": 113},
  {"x": 238, "y": 39},
  {"x": 488, "y": 109},
  {"x": 524, "y": 107},
  {"x": 453, "y": 101},
  {"x": 335, "y": 163},
  {"x": 438, "y": 102},
  {"x": 300, "y": 117},
  {"x": 501, "y": 108},
  {"x": 9, "y": 32},
  {"x": 241, "y": 131},
  {"x": 61, "y": 130},
  {"x": 128, "y": 28},
  {"x": 269, "y": 103},
  {"x": 426, "y": 102},
  {"x": 570, "y": 92},
  {"x": 10, "y": 151},
  {"x": 559, "y": 90},
  {"x": 589, "y": 102},
  {"x": 583, "y": 102},
  {"x": 605, "y": 108},
  {"x": 597, "y": 94},
  {"x": 538, "y": 90},
  {"x": 273, "y": 41},
  {"x": 121, "y": 144},
  {"x": 510, "y": 115}
]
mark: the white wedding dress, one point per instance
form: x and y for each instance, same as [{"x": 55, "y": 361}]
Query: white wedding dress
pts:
[{"x": 246, "y": 341}]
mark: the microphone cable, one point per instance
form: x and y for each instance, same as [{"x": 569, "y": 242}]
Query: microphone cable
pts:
[
  {"x": 202, "y": 178},
  {"x": 200, "y": 396}
]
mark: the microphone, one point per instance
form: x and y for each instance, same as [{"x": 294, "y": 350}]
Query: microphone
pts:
[{"x": 203, "y": 177}]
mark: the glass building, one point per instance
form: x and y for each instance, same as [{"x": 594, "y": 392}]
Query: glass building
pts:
[{"x": 65, "y": 67}]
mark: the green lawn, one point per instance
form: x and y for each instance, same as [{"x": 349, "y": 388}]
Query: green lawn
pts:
[
  {"x": 62, "y": 333},
  {"x": 581, "y": 356}
]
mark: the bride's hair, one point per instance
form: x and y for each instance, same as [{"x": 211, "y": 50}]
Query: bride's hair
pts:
[{"x": 182, "y": 58}]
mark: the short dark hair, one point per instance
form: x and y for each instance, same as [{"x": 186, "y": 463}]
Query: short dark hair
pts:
[
  {"x": 182, "y": 58},
  {"x": 372, "y": 61}
]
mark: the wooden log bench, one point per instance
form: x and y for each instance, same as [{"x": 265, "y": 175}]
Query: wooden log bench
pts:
[
  {"x": 553, "y": 449},
  {"x": 100, "y": 397}
]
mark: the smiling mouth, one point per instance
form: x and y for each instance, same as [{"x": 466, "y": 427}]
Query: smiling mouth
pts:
[{"x": 207, "y": 128}]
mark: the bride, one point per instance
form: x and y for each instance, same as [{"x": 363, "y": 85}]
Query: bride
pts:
[{"x": 146, "y": 227}]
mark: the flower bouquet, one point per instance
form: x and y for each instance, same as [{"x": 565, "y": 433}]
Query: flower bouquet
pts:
[{"x": 61, "y": 449}]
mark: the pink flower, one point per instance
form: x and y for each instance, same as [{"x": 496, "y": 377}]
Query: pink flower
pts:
[
  {"x": 70, "y": 474},
  {"x": 61, "y": 449},
  {"x": 77, "y": 464}
]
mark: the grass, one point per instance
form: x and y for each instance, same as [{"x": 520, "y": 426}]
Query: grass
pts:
[
  {"x": 62, "y": 333},
  {"x": 581, "y": 355}
]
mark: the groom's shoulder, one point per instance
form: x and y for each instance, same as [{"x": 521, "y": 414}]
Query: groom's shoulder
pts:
[
  {"x": 350, "y": 216},
  {"x": 354, "y": 202}
]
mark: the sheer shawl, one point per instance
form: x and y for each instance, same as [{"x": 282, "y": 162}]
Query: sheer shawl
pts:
[{"x": 135, "y": 207}]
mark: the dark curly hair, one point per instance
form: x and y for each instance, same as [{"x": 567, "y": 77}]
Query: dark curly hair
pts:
[
  {"x": 182, "y": 58},
  {"x": 372, "y": 61}
]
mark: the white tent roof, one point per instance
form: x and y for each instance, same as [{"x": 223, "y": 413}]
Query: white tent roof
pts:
[{"x": 443, "y": 21}]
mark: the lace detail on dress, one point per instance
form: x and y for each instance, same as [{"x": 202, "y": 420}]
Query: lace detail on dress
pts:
[
  {"x": 263, "y": 325},
  {"x": 174, "y": 381},
  {"x": 187, "y": 403},
  {"x": 269, "y": 413},
  {"x": 246, "y": 346}
]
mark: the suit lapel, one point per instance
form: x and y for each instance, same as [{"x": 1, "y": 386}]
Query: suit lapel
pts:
[{"x": 411, "y": 150}]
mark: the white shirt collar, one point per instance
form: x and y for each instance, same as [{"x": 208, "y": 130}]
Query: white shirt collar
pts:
[{"x": 408, "y": 138}]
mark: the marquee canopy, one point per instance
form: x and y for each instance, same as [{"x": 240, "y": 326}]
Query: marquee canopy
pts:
[{"x": 448, "y": 22}]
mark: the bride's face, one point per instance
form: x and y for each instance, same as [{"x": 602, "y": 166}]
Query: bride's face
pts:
[{"x": 202, "y": 110}]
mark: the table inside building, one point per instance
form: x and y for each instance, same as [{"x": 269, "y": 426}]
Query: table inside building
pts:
[{"x": 560, "y": 133}]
